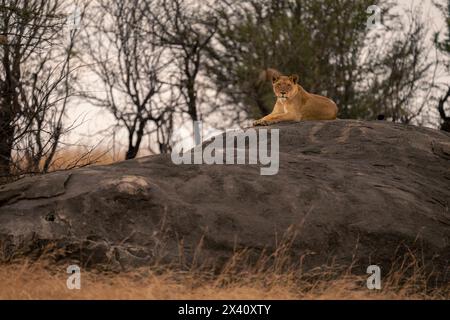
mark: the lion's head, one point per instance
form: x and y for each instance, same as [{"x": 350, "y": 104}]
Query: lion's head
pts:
[{"x": 285, "y": 87}]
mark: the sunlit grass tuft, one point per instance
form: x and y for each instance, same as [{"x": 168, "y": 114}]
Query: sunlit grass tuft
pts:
[{"x": 40, "y": 280}]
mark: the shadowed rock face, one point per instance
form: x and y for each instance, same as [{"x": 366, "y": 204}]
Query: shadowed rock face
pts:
[{"x": 346, "y": 190}]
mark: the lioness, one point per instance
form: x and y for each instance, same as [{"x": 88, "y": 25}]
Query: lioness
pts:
[{"x": 296, "y": 104}]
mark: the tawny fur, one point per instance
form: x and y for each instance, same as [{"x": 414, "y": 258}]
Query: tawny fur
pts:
[{"x": 296, "y": 104}]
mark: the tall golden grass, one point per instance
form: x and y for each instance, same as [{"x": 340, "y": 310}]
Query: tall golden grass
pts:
[
  {"x": 64, "y": 159},
  {"x": 236, "y": 280},
  {"x": 80, "y": 157}
]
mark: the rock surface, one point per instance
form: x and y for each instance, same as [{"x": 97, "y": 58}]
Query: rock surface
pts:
[{"x": 346, "y": 190}]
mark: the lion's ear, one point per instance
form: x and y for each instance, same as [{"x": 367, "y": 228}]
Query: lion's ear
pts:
[
  {"x": 294, "y": 78},
  {"x": 275, "y": 78}
]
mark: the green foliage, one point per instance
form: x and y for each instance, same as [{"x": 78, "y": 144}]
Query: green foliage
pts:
[{"x": 328, "y": 44}]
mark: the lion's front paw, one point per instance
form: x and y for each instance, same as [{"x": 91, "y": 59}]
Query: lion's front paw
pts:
[{"x": 260, "y": 122}]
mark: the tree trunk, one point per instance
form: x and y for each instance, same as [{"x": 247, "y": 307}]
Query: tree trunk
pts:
[
  {"x": 6, "y": 143},
  {"x": 133, "y": 149},
  {"x": 445, "y": 126}
]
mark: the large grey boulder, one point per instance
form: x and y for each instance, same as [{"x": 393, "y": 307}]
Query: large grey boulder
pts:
[{"x": 346, "y": 191}]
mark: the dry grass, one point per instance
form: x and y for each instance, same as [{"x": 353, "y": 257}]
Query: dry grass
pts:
[
  {"x": 38, "y": 281},
  {"x": 80, "y": 157},
  {"x": 65, "y": 159},
  {"x": 269, "y": 275}
]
